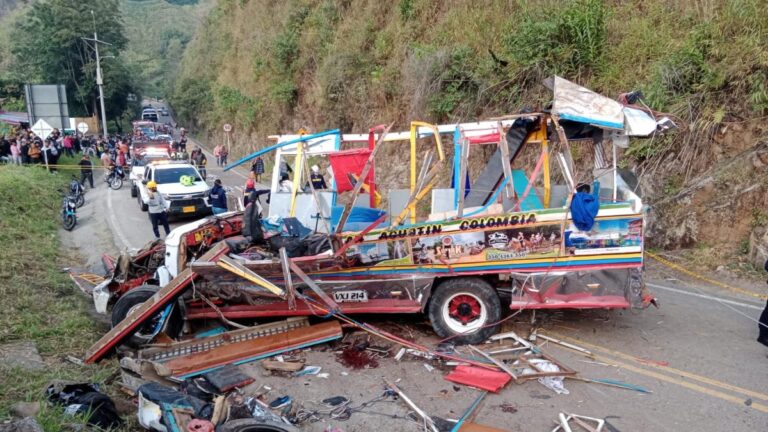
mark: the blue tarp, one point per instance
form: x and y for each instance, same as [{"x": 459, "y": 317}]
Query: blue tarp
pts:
[{"x": 359, "y": 218}]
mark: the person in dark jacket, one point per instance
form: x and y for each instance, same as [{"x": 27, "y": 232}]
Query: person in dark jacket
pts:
[
  {"x": 199, "y": 160},
  {"x": 24, "y": 152},
  {"x": 252, "y": 229},
  {"x": 317, "y": 179},
  {"x": 762, "y": 325},
  {"x": 86, "y": 170},
  {"x": 257, "y": 168},
  {"x": 218, "y": 198}
]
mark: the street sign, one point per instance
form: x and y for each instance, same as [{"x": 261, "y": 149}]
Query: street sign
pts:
[
  {"x": 227, "y": 127},
  {"x": 42, "y": 129},
  {"x": 82, "y": 127}
]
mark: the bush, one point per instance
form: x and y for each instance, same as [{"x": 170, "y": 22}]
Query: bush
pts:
[
  {"x": 455, "y": 83},
  {"x": 565, "y": 38},
  {"x": 190, "y": 97}
]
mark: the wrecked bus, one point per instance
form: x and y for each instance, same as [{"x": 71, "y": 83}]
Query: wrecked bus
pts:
[{"x": 508, "y": 237}]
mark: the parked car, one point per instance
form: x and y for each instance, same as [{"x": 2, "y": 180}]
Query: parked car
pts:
[
  {"x": 188, "y": 198},
  {"x": 142, "y": 157}
]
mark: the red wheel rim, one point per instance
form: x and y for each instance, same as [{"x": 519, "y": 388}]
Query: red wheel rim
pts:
[{"x": 464, "y": 308}]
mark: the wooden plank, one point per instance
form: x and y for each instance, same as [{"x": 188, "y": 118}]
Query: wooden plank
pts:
[
  {"x": 461, "y": 181},
  {"x": 178, "y": 349},
  {"x": 361, "y": 180},
  {"x": 429, "y": 181},
  {"x": 474, "y": 427},
  {"x": 498, "y": 364},
  {"x": 250, "y": 350},
  {"x": 238, "y": 269},
  {"x": 288, "y": 280},
  {"x": 161, "y": 298},
  {"x": 505, "y": 164}
]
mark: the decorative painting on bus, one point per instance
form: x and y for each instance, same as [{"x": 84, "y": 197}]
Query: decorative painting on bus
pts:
[
  {"x": 606, "y": 236},
  {"x": 531, "y": 242},
  {"x": 395, "y": 252},
  {"x": 449, "y": 249}
]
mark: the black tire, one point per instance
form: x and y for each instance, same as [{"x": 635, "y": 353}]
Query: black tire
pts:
[
  {"x": 254, "y": 425},
  {"x": 80, "y": 200},
  {"x": 134, "y": 191},
  {"x": 116, "y": 182},
  {"x": 142, "y": 206},
  {"x": 69, "y": 222},
  {"x": 143, "y": 334},
  {"x": 469, "y": 303}
]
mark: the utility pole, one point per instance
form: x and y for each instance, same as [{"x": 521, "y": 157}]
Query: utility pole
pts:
[{"x": 99, "y": 78}]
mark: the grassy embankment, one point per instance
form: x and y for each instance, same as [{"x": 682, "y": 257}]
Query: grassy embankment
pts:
[{"x": 39, "y": 301}]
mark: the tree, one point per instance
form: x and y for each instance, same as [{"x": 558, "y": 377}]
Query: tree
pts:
[{"x": 49, "y": 48}]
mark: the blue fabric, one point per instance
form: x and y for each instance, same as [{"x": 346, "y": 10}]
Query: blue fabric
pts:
[
  {"x": 584, "y": 208},
  {"x": 359, "y": 217},
  {"x": 219, "y": 210}
]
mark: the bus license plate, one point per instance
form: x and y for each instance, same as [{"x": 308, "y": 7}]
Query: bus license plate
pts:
[
  {"x": 350, "y": 296},
  {"x": 188, "y": 209}
]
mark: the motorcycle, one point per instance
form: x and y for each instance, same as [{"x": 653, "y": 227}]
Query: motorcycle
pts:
[
  {"x": 77, "y": 191},
  {"x": 68, "y": 209},
  {"x": 115, "y": 178}
]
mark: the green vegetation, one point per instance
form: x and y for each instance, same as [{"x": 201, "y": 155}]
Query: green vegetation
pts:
[
  {"x": 60, "y": 55},
  {"x": 335, "y": 63},
  {"x": 148, "y": 40},
  {"x": 40, "y": 303},
  {"x": 158, "y": 32}
]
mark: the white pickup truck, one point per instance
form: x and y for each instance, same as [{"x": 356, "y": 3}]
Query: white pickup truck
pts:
[
  {"x": 183, "y": 199},
  {"x": 139, "y": 163}
]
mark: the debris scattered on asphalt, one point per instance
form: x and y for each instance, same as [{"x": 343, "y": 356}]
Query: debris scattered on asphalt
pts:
[{"x": 589, "y": 424}]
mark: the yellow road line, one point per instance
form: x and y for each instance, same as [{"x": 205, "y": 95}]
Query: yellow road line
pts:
[
  {"x": 688, "y": 385},
  {"x": 703, "y": 379},
  {"x": 705, "y": 279}
]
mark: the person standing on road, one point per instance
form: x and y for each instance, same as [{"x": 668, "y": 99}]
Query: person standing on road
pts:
[
  {"x": 106, "y": 162},
  {"x": 218, "y": 198},
  {"x": 198, "y": 158},
  {"x": 217, "y": 154},
  {"x": 257, "y": 168},
  {"x": 223, "y": 155},
  {"x": 86, "y": 170},
  {"x": 158, "y": 209},
  {"x": 762, "y": 326}
]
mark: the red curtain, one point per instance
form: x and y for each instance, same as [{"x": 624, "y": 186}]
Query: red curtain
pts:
[{"x": 346, "y": 162}]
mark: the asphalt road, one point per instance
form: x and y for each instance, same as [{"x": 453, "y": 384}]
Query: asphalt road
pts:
[
  {"x": 697, "y": 353},
  {"x": 131, "y": 226}
]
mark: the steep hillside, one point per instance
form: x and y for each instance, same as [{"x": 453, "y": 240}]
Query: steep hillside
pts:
[{"x": 276, "y": 66}]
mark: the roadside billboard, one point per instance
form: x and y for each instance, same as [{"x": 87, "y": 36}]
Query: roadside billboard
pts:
[{"x": 47, "y": 102}]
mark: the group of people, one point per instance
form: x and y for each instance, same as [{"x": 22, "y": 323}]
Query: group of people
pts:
[{"x": 23, "y": 147}]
